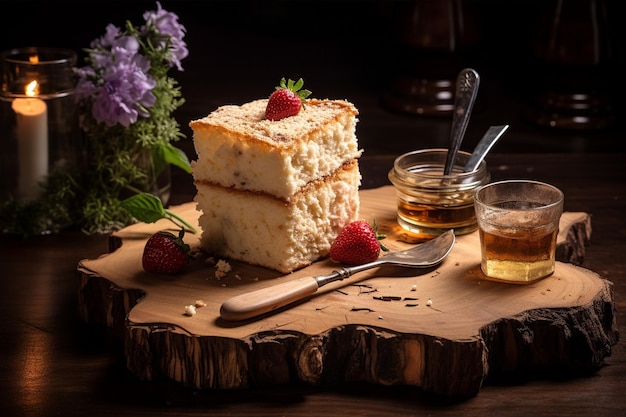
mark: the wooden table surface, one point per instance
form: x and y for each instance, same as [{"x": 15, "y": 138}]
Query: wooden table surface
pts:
[{"x": 52, "y": 364}]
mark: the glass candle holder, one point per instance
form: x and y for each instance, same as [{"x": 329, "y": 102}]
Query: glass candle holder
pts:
[
  {"x": 39, "y": 130},
  {"x": 429, "y": 202}
]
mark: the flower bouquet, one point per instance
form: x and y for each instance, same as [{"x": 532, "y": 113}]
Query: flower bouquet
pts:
[{"x": 125, "y": 100}]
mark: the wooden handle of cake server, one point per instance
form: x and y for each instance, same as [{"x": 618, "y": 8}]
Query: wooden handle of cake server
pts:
[{"x": 268, "y": 299}]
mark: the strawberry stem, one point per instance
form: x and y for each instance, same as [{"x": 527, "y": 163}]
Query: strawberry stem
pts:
[
  {"x": 380, "y": 236},
  {"x": 296, "y": 87},
  {"x": 148, "y": 208},
  {"x": 178, "y": 221}
]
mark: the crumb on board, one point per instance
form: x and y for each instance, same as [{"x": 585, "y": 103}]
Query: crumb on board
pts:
[
  {"x": 190, "y": 310},
  {"x": 222, "y": 268}
]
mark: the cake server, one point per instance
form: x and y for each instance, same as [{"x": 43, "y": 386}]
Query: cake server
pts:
[
  {"x": 486, "y": 143},
  {"x": 268, "y": 299}
]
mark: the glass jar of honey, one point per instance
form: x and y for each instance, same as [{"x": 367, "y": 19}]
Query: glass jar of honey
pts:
[{"x": 429, "y": 202}]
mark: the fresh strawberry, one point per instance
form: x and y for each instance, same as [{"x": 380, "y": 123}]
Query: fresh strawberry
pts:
[
  {"x": 165, "y": 253},
  {"x": 357, "y": 243},
  {"x": 287, "y": 100}
]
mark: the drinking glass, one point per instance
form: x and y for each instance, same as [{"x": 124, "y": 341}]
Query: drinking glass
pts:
[{"x": 518, "y": 222}]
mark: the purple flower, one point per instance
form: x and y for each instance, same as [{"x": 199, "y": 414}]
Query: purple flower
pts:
[
  {"x": 107, "y": 52},
  {"x": 167, "y": 29},
  {"x": 125, "y": 93},
  {"x": 117, "y": 85},
  {"x": 109, "y": 38}
]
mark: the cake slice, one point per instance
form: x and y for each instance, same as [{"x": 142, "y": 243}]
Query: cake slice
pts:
[
  {"x": 284, "y": 235},
  {"x": 238, "y": 148},
  {"x": 276, "y": 193}
]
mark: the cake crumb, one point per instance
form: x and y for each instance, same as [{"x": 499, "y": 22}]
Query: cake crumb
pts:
[
  {"x": 200, "y": 303},
  {"x": 222, "y": 268},
  {"x": 414, "y": 288},
  {"x": 190, "y": 310},
  {"x": 429, "y": 302}
]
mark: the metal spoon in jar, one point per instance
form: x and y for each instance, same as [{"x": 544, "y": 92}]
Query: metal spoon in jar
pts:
[
  {"x": 486, "y": 143},
  {"x": 268, "y": 299},
  {"x": 466, "y": 90}
]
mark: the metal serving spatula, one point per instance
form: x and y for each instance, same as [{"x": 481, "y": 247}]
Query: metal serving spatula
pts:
[{"x": 261, "y": 301}]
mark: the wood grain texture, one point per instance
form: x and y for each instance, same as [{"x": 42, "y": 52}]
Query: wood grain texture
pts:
[{"x": 443, "y": 329}]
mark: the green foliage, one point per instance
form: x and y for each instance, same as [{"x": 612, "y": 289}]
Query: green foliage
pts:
[
  {"x": 149, "y": 209},
  {"x": 295, "y": 86},
  {"x": 90, "y": 196}
]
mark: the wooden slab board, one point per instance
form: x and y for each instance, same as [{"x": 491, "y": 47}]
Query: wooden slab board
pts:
[{"x": 443, "y": 329}]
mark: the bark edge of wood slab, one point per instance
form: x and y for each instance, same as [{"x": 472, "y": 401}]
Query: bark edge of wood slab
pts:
[{"x": 327, "y": 341}]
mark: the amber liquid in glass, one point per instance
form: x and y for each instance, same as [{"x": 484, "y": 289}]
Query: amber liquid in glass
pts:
[
  {"x": 518, "y": 254},
  {"x": 437, "y": 216}
]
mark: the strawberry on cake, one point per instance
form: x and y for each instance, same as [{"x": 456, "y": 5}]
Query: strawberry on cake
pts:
[{"x": 277, "y": 179}]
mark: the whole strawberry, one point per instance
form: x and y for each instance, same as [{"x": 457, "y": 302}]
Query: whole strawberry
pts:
[
  {"x": 287, "y": 100},
  {"x": 165, "y": 253},
  {"x": 357, "y": 243}
]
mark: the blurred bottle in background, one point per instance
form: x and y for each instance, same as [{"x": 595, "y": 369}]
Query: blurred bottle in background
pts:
[{"x": 572, "y": 76}]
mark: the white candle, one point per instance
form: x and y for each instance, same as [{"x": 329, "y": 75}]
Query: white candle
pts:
[{"x": 32, "y": 142}]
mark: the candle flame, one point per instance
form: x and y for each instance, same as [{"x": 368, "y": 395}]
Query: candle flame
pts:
[
  {"x": 32, "y": 89},
  {"x": 33, "y": 59}
]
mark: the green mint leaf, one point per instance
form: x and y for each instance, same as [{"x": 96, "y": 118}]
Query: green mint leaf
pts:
[
  {"x": 144, "y": 207},
  {"x": 176, "y": 157},
  {"x": 148, "y": 208}
]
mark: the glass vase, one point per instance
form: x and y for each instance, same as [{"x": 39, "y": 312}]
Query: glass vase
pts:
[{"x": 158, "y": 175}]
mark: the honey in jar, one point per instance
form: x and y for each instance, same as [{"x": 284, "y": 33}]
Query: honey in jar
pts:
[{"x": 429, "y": 202}]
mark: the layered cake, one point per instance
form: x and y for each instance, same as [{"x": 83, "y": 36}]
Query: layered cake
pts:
[{"x": 276, "y": 193}]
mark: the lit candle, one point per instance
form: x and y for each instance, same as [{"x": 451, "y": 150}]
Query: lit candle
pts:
[{"x": 32, "y": 142}]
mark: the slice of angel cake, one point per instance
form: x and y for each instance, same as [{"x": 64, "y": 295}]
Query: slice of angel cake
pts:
[{"x": 276, "y": 193}]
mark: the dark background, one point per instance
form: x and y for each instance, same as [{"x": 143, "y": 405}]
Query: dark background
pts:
[
  {"x": 343, "y": 49},
  {"x": 56, "y": 365}
]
